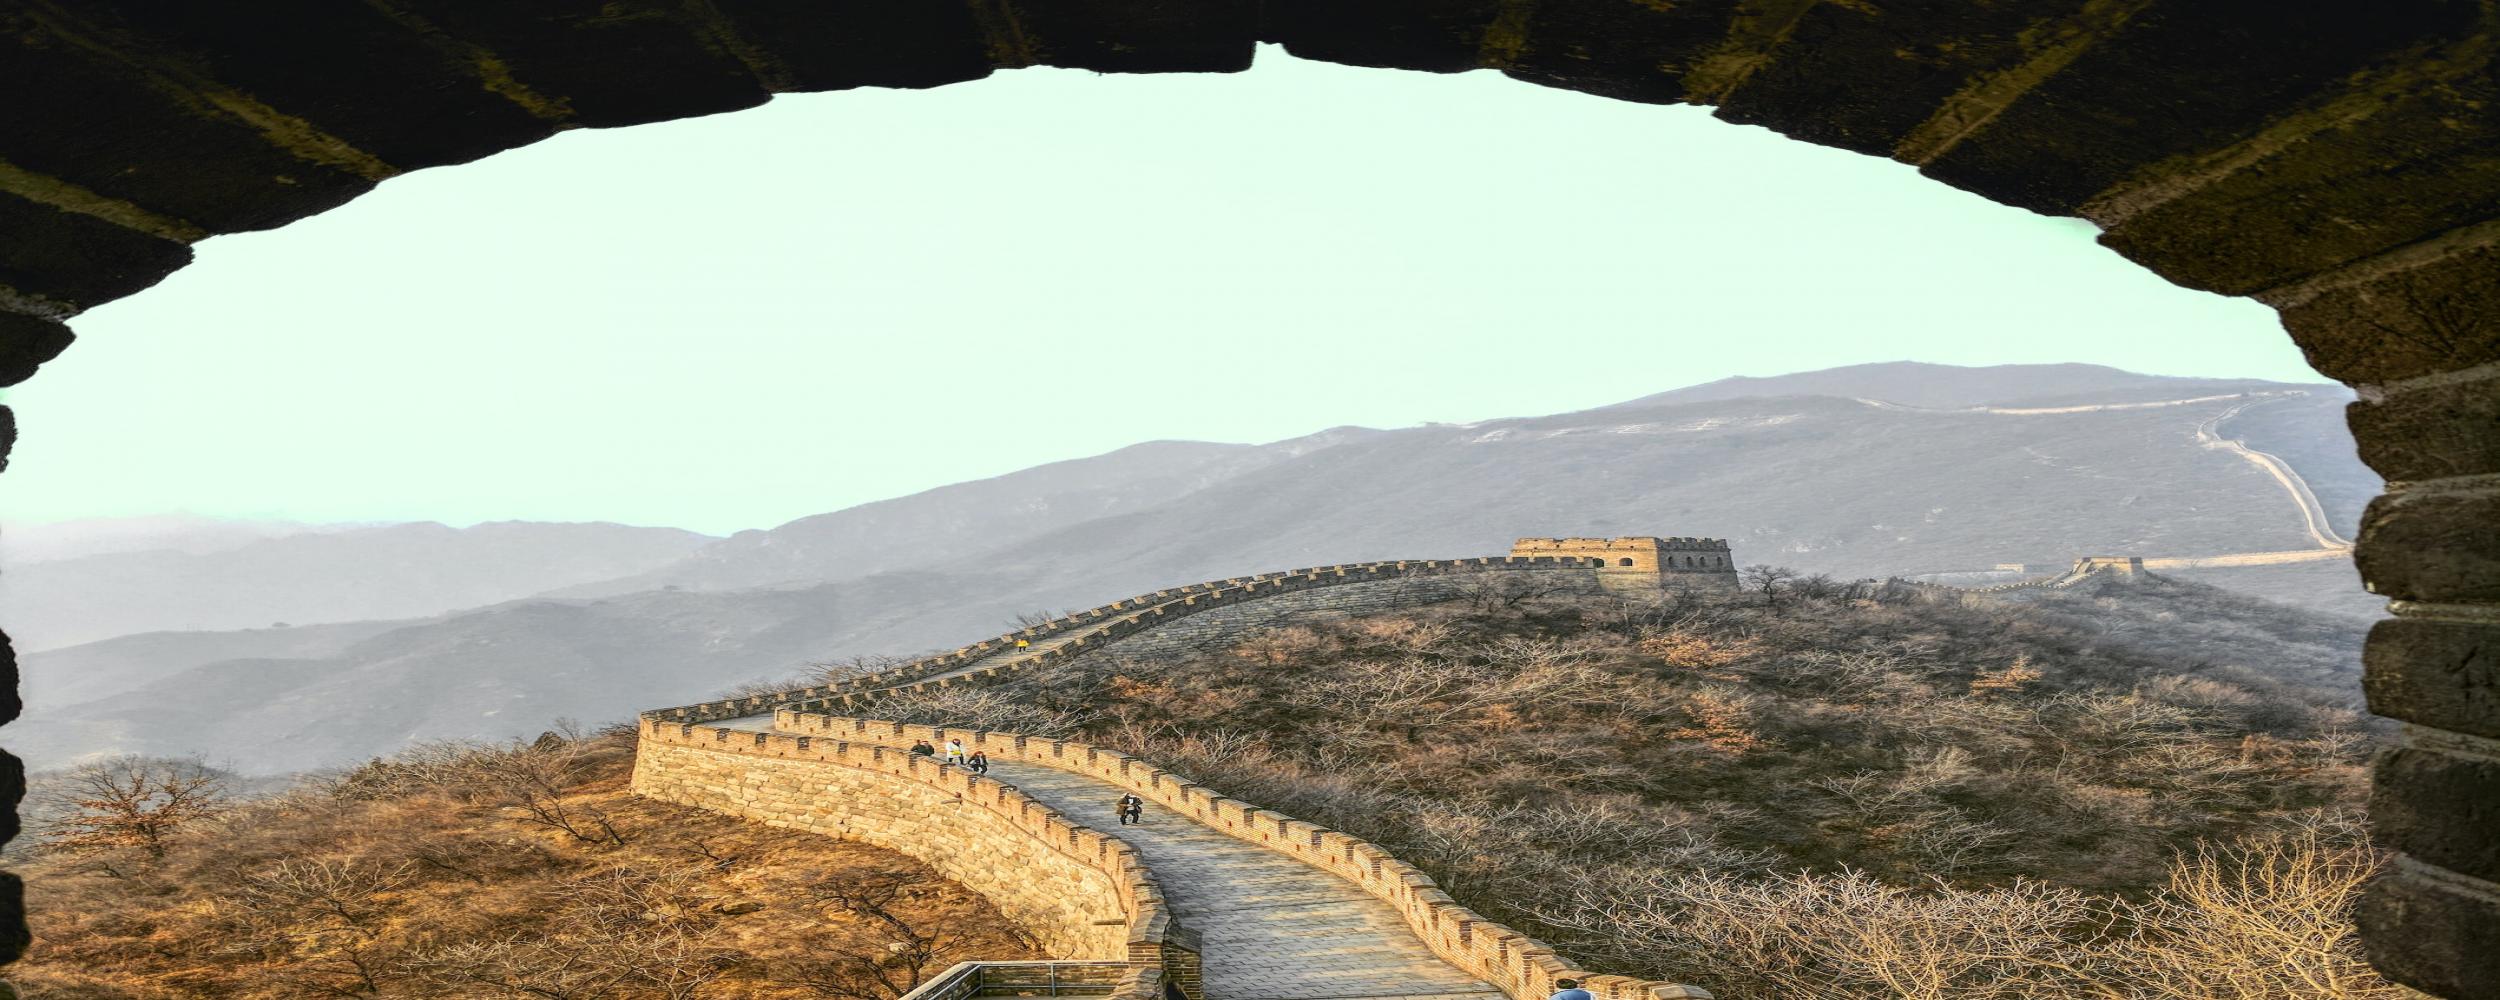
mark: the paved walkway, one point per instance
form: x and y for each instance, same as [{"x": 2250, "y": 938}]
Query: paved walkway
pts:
[{"x": 1271, "y": 927}]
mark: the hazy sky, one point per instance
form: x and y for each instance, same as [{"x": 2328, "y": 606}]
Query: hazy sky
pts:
[{"x": 729, "y": 322}]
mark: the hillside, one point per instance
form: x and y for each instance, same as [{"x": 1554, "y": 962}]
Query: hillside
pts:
[
  {"x": 1809, "y": 793},
  {"x": 1954, "y": 387},
  {"x": 391, "y": 571},
  {"x": 940, "y": 528},
  {"x": 1932, "y": 483},
  {"x": 2118, "y": 790},
  {"x": 27, "y": 543},
  {"x": 494, "y": 672},
  {"x": 1825, "y": 483},
  {"x": 445, "y": 874}
]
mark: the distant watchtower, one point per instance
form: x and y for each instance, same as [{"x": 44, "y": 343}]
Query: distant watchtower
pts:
[{"x": 1642, "y": 562}]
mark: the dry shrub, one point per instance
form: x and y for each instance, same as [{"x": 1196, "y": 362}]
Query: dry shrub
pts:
[
  {"x": 978, "y": 708},
  {"x": 2267, "y": 918},
  {"x": 474, "y": 870},
  {"x": 1942, "y": 778}
]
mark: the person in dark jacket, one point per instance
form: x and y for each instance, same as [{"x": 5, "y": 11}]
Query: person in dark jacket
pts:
[
  {"x": 1132, "y": 809},
  {"x": 921, "y": 748},
  {"x": 979, "y": 763}
]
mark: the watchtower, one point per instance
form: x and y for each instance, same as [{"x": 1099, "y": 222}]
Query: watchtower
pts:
[{"x": 1642, "y": 562}]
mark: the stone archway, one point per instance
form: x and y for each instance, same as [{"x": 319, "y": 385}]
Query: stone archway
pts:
[{"x": 2340, "y": 162}]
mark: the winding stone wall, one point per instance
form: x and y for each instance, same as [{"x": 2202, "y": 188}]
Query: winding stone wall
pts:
[
  {"x": 1079, "y": 893},
  {"x": 1519, "y": 965},
  {"x": 1096, "y": 628}
]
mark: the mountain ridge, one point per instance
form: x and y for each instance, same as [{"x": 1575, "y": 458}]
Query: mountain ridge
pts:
[
  {"x": 1826, "y": 483},
  {"x": 374, "y": 572}
]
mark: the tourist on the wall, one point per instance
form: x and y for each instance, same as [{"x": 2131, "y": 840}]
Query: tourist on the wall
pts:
[
  {"x": 1132, "y": 809},
  {"x": 1569, "y": 989},
  {"x": 955, "y": 751},
  {"x": 921, "y": 748},
  {"x": 979, "y": 762}
]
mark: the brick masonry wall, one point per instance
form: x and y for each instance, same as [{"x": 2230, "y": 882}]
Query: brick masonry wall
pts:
[
  {"x": 1079, "y": 893},
  {"x": 1523, "y": 967}
]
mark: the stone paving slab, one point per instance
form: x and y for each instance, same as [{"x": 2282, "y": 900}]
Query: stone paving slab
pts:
[{"x": 1272, "y": 928}]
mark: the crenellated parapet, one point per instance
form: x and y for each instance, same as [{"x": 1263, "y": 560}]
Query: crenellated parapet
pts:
[
  {"x": 1641, "y": 562},
  {"x": 1654, "y": 562},
  {"x": 822, "y": 767},
  {"x": 1081, "y": 892},
  {"x": 1521, "y": 966}
]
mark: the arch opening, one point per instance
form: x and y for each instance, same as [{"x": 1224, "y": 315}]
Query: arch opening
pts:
[{"x": 241, "y": 120}]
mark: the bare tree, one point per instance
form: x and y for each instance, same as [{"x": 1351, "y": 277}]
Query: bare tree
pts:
[
  {"x": 326, "y": 889},
  {"x": 626, "y": 931},
  {"x": 131, "y": 801},
  {"x": 1767, "y": 580},
  {"x": 535, "y": 780},
  {"x": 1038, "y": 618},
  {"x": 980, "y": 708},
  {"x": 1507, "y": 591},
  {"x": 533, "y": 777},
  {"x": 896, "y": 964},
  {"x": 855, "y": 666}
]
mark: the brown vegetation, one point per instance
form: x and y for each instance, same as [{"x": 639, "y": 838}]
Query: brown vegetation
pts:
[
  {"x": 1809, "y": 789},
  {"x": 469, "y": 870}
]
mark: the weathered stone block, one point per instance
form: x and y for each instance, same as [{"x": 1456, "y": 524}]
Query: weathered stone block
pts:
[
  {"x": 2177, "y": 79},
  {"x": 2422, "y": 163},
  {"x": 682, "y": 61},
  {"x": 1141, "y": 36},
  {"x": 1436, "y": 36},
  {"x": 2432, "y": 545},
  {"x": 1073, "y": 907},
  {"x": 26, "y": 343},
  {"x": 865, "y": 43},
  {"x": 81, "y": 118},
  {"x": 1861, "y": 76},
  {"x": 74, "y": 261},
  {"x": 1626, "y": 51},
  {"x": 2431, "y": 432},
  {"x": 2440, "y": 808},
  {"x": 2435, "y": 937},
  {"x": 2439, "y": 317},
  {"x": 2443, "y": 674},
  {"x": 348, "y": 68}
]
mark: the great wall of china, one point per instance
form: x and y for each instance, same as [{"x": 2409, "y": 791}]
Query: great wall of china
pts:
[
  {"x": 2315, "y": 521},
  {"x": 1216, "y": 898},
  {"x": 1212, "y": 897}
]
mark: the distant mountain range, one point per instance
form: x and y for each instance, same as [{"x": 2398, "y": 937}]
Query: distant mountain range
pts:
[
  {"x": 255, "y": 575},
  {"x": 1865, "y": 471}
]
